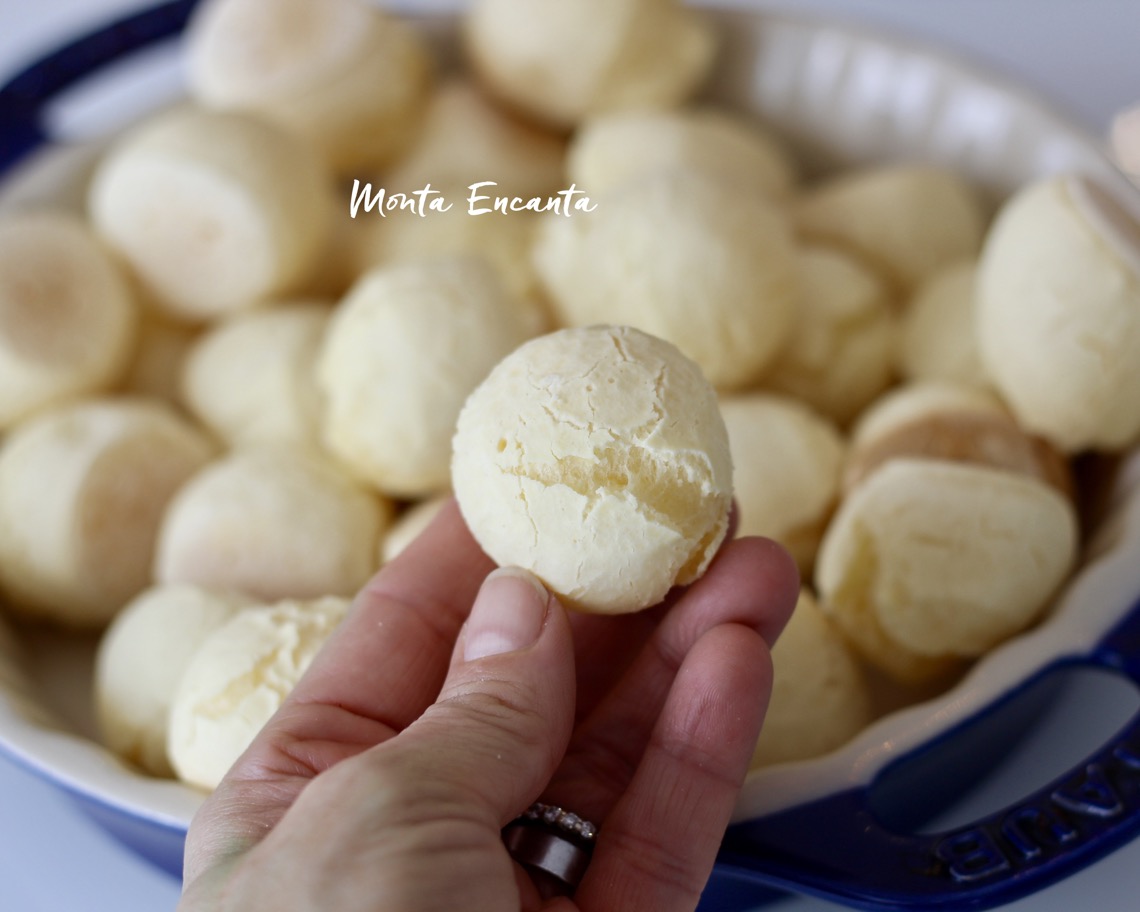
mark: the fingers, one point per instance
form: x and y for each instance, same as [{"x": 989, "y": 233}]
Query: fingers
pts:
[
  {"x": 503, "y": 717},
  {"x": 658, "y": 844},
  {"x": 753, "y": 583},
  {"x": 410, "y": 614},
  {"x": 424, "y": 811},
  {"x": 443, "y": 790},
  {"x": 381, "y": 669}
]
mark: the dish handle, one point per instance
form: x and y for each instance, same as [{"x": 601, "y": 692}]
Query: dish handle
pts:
[
  {"x": 25, "y": 96},
  {"x": 837, "y": 847}
]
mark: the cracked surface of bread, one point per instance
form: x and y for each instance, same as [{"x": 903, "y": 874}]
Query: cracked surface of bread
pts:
[
  {"x": 597, "y": 459},
  {"x": 239, "y": 677}
]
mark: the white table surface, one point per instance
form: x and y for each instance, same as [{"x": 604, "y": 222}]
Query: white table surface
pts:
[{"x": 1082, "y": 54}]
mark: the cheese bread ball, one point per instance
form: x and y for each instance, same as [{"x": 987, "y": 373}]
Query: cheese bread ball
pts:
[
  {"x": 562, "y": 62},
  {"x": 347, "y": 77},
  {"x": 963, "y": 435},
  {"x": 841, "y": 351},
  {"x": 140, "y": 661},
  {"x": 908, "y": 402},
  {"x": 787, "y": 462},
  {"x": 937, "y": 335},
  {"x": 272, "y": 522},
  {"x": 504, "y": 242},
  {"x": 403, "y": 351},
  {"x": 685, "y": 258},
  {"x": 947, "y": 559},
  {"x": 900, "y": 668},
  {"x": 907, "y": 221},
  {"x": 214, "y": 212},
  {"x": 238, "y": 678},
  {"x": 250, "y": 378},
  {"x": 68, "y": 315},
  {"x": 82, "y": 491},
  {"x": 1058, "y": 314},
  {"x": 467, "y": 138},
  {"x": 820, "y": 696},
  {"x": 613, "y": 149},
  {"x": 597, "y": 459},
  {"x": 409, "y": 525}
]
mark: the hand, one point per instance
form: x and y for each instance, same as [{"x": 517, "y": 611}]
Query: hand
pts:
[{"x": 445, "y": 705}]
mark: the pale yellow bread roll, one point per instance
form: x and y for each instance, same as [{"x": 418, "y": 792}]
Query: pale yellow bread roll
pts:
[
  {"x": 901, "y": 669},
  {"x": 403, "y": 351},
  {"x": 612, "y": 149},
  {"x": 909, "y": 402},
  {"x": 467, "y": 138},
  {"x": 68, "y": 315},
  {"x": 347, "y": 77},
  {"x": 272, "y": 522},
  {"x": 992, "y": 440},
  {"x": 937, "y": 337},
  {"x": 250, "y": 378},
  {"x": 787, "y": 462},
  {"x": 686, "y": 258},
  {"x": 503, "y": 241},
  {"x": 1058, "y": 314},
  {"x": 239, "y": 677},
  {"x": 83, "y": 488},
  {"x": 562, "y": 62},
  {"x": 214, "y": 212},
  {"x": 820, "y": 696},
  {"x": 907, "y": 221},
  {"x": 841, "y": 350},
  {"x": 948, "y": 559},
  {"x": 597, "y": 459},
  {"x": 140, "y": 661}
]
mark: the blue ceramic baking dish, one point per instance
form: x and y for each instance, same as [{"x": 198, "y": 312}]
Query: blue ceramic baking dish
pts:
[{"x": 844, "y": 826}]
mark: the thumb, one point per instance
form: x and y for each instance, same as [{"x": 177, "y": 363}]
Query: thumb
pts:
[{"x": 504, "y": 715}]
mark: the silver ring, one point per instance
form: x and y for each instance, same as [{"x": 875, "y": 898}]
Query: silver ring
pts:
[{"x": 552, "y": 840}]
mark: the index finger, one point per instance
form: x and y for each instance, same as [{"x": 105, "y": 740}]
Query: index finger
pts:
[
  {"x": 381, "y": 669},
  {"x": 389, "y": 657}
]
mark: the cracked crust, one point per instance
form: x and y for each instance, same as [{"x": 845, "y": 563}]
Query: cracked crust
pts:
[
  {"x": 597, "y": 459},
  {"x": 239, "y": 677}
]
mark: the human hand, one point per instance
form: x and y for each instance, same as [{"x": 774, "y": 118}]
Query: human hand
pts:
[{"x": 445, "y": 705}]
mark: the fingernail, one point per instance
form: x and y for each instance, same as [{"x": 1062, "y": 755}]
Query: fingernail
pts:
[{"x": 508, "y": 614}]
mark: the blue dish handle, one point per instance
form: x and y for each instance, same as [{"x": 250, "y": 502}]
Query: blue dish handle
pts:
[
  {"x": 838, "y": 849},
  {"x": 26, "y": 95}
]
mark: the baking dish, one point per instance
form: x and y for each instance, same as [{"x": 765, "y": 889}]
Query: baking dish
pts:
[{"x": 840, "y": 826}]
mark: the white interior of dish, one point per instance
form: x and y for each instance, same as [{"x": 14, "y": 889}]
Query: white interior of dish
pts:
[{"x": 842, "y": 96}]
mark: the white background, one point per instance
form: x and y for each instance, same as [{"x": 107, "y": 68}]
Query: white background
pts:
[{"x": 1084, "y": 55}]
